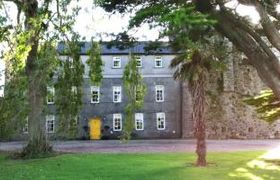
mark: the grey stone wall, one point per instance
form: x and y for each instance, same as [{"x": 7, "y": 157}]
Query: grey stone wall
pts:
[
  {"x": 106, "y": 108},
  {"x": 227, "y": 115}
]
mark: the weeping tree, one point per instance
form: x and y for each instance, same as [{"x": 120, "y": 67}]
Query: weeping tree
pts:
[
  {"x": 32, "y": 61},
  {"x": 135, "y": 90}
]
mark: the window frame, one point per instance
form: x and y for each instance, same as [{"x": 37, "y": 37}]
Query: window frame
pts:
[
  {"x": 161, "y": 115},
  {"x": 117, "y": 116},
  {"x": 48, "y": 119},
  {"x": 139, "y": 59},
  {"x": 139, "y": 116},
  {"x": 25, "y": 127},
  {"x": 116, "y": 89},
  {"x": 71, "y": 61},
  {"x": 157, "y": 58},
  {"x": 97, "y": 89},
  {"x": 157, "y": 88},
  {"x": 116, "y": 58},
  {"x": 50, "y": 89}
]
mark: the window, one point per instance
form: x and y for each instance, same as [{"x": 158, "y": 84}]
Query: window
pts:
[
  {"x": 159, "y": 93},
  {"x": 117, "y": 94},
  {"x": 74, "y": 90},
  {"x": 71, "y": 62},
  {"x": 139, "y": 121},
  {"x": 95, "y": 93},
  {"x": 50, "y": 95},
  {"x": 139, "y": 61},
  {"x": 74, "y": 122},
  {"x": 158, "y": 61},
  {"x": 50, "y": 123},
  {"x": 161, "y": 121},
  {"x": 137, "y": 95},
  {"x": 117, "y": 122},
  {"x": 25, "y": 127},
  {"x": 116, "y": 62}
]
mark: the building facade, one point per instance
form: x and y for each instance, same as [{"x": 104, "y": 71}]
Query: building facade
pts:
[
  {"x": 167, "y": 105},
  {"x": 160, "y": 116}
]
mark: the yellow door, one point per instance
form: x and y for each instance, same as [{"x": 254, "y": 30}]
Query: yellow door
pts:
[{"x": 95, "y": 128}]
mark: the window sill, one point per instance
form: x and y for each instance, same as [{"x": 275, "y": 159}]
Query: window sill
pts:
[
  {"x": 117, "y": 130},
  {"x": 94, "y": 102}
]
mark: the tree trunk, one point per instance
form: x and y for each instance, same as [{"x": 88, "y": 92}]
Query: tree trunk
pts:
[
  {"x": 247, "y": 40},
  {"x": 198, "y": 95},
  {"x": 37, "y": 142},
  {"x": 265, "y": 62}
]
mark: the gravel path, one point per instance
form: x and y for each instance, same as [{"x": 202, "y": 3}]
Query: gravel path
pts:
[{"x": 145, "y": 146}]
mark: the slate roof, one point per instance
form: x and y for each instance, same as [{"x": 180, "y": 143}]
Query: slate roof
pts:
[{"x": 107, "y": 49}]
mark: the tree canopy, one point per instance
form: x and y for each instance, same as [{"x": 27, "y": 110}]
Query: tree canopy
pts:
[{"x": 259, "y": 42}]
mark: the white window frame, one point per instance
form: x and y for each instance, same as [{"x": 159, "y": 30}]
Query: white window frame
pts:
[
  {"x": 159, "y": 88},
  {"x": 50, "y": 89},
  {"x": 139, "y": 59},
  {"x": 70, "y": 59},
  {"x": 97, "y": 89},
  {"x": 139, "y": 117},
  {"x": 74, "y": 89},
  {"x": 158, "y": 58},
  {"x": 117, "y": 59},
  {"x": 162, "y": 116},
  {"x": 25, "y": 127},
  {"x": 115, "y": 117},
  {"x": 117, "y": 89},
  {"x": 50, "y": 118}
]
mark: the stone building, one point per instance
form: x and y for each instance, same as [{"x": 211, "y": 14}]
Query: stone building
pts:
[
  {"x": 227, "y": 114},
  {"x": 161, "y": 115},
  {"x": 167, "y": 105}
]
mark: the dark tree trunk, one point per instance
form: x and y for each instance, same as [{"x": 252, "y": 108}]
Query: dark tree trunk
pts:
[
  {"x": 198, "y": 95},
  {"x": 198, "y": 102},
  {"x": 247, "y": 40},
  {"x": 37, "y": 142}
]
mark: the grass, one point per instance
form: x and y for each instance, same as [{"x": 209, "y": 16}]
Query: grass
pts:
[{"x": 160, "y": 166}]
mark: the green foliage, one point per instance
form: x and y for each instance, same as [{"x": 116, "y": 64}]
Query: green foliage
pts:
[
  {"x": 95, "y": 64},
  {"x": 135, "y": 90},
  {"x": 13, "y": 109},
  {"x": 267, "y": 105},
  {"x": 68, "y": 99}
]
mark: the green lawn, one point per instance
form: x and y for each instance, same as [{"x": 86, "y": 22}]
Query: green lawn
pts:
[{"x": 177, "y": 166}]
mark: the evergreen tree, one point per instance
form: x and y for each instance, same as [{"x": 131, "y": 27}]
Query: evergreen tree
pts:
[{"x": 135, "y": 90}]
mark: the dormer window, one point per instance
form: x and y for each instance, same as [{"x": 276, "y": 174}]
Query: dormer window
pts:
[
  {"x": 158, "y": 61},
  {"x": 116, "y": 62}
]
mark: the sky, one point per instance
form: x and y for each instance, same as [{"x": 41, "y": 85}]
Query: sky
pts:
[{"x": 94, "y": 20}]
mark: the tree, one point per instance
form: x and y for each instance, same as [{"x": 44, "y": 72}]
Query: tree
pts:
[
  {"x": 95, "y": 64},
  {"x": 200, "y": 50},
  {"x": 259, "y": 42},
  {"x": 266, "y": 104},
  {"x": 68, "y": 88},
  {"x": 135, "y": 90},
  {"x": 31, "y": 62}
]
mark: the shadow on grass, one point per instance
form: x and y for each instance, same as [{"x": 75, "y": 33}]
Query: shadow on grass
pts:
[{"x": 258, "y": 169}]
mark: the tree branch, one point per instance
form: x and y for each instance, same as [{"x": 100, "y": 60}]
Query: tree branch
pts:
[{"x": 269, "y": 28}]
